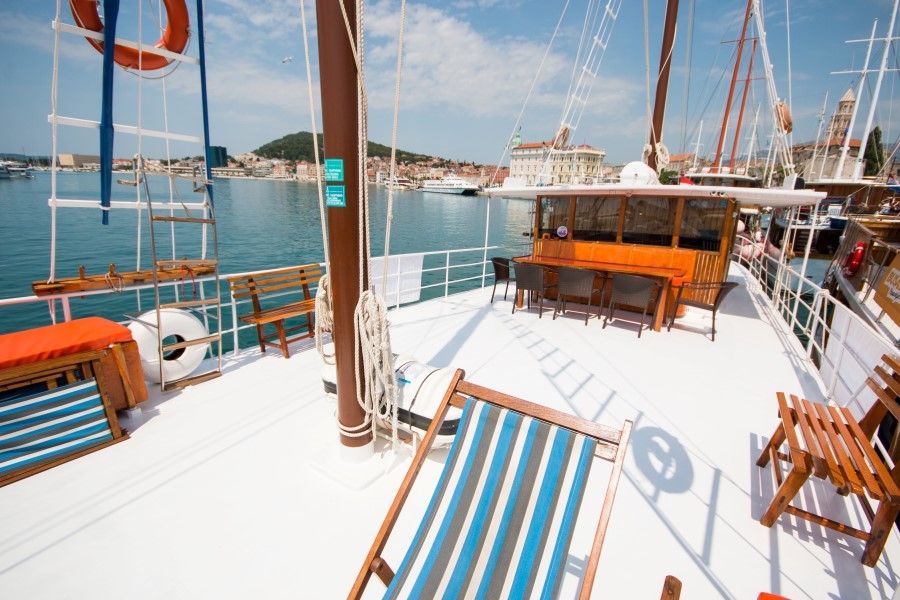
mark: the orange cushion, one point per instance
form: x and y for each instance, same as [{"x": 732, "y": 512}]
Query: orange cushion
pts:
[
  {"x": 41, "y": 343},
  {"x": 768, "y": 596}
]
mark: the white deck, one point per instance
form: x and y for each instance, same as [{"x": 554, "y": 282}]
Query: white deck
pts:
[{"x": 218, "y": 493}]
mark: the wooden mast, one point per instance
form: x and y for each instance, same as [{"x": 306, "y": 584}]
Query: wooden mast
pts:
[
  {"x": 662, "y": 83},
  {"x": 339, "y": 83},
  {"x": 717, "y": 162},
  {"x": 737, "y": 129}
]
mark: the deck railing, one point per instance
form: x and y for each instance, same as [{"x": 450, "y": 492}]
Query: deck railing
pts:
[
  {"x": 840, "y": 344},
  {"x": 828, "y": 334},
  {"x": 443, "y": 273}
]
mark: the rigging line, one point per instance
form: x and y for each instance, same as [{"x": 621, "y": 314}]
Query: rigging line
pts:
[
  {"x": 54, "y": 126},
  {"x": 649, "y": 130},
  {"x": 707, "y": 84},
  {"x": 390, "y": 203},
  {"x": 165, "y": 111},
  {"x": 531, "y": 89},
  {"x": 586, "y": 28},
  {"x": 686, "y": 86},
  {"x": 790, "y": 77},
  {"x": 361, "y": 111},
  {"x": 315, "y": 136},
  {"x": 383, "y": 379}
]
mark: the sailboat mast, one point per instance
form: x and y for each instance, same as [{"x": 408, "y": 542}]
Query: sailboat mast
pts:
[
  {"x": 662, "y": 84},
  {"x": 845, "y": 146},
  {"x": 860, "y": 157},
  {"x": 737, "y": 129},
  {"x": 340, "y": 125},
  {"x": 717, "y": 162}
]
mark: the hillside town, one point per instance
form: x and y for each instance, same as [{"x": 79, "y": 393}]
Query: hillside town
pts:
[{"x": 547, "y": 162}]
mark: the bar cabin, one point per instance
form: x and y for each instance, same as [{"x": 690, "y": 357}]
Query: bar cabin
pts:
[{"x": 671, "y": 233}]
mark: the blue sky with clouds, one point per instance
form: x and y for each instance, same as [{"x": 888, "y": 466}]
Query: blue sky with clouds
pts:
[{"x": 468, "y": 66}]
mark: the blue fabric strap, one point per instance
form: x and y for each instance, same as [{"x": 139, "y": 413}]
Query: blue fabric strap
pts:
[{"x": 110, "y": 16}]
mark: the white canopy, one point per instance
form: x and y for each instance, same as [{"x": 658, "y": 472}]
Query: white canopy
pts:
[{"x": 771, "y": 197}]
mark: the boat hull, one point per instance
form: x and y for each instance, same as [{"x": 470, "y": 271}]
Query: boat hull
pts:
[{"x": 448, "y": 190}]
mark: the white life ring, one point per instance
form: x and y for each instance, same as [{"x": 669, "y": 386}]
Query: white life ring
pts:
[{"x": 177, "y": 326}]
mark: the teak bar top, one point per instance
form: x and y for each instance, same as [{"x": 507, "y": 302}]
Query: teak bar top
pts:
[{"x": 664, "y": 274}]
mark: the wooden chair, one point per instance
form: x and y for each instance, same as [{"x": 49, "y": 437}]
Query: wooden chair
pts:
[
  {"x": 577, "y": 283},
  {"x": 671, "y": 588},
  {"x": 635, "y": 291},
  {"x": 489, "y": 500},
  {"x": 501, "y": 274},
  {"x": 707, "y": 296},
  {"x": 532, "y": 279},
  {"x": 828, "y": 442}
]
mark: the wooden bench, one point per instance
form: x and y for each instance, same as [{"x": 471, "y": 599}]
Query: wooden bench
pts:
[{"x": 273, "y": 295}]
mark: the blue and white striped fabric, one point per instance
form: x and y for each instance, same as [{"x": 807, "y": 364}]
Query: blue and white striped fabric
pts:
[
  {"x": 501, "y": 519},
  {"x": 51, "y": 424}
]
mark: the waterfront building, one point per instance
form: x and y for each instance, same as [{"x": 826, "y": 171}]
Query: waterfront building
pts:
[
  {"x": 79, "y": 161},
  {"x": 536, "y": 163}
]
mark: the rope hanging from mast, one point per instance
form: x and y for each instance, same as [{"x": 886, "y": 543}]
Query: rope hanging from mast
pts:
[{"x": 376, "y": 382}]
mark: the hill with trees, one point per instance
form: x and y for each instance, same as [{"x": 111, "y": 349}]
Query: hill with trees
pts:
[{"x": 299, "y": 146}]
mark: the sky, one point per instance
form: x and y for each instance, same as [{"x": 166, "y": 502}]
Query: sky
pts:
[{"x": 473, "y": 73}]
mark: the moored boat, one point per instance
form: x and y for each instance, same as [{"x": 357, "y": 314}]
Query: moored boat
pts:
[
  {"x": 400, "y": 183},
  {"x": 451, "y": 184}
]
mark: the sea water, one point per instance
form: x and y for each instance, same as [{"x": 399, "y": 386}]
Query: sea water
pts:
[{"x": 260, "y": 224}]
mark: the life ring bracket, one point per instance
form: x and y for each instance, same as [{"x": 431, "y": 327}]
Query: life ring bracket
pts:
[
  {"x": 134, "y": 56},
  {"x": 148, "y": 48}
]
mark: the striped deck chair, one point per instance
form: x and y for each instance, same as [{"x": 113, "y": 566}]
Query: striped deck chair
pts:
[
  {"x": 502, "y": 517},
  {"x": 39, "y": 430}
]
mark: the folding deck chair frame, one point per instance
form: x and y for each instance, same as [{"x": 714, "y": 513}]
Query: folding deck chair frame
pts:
[{"x": 595, "y": 441}]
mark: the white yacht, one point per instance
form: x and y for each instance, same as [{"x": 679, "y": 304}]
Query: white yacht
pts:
[{"x": 451, "y": 184}]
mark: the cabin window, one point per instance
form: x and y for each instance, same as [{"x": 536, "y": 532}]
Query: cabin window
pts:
[
  {"x": 649, "y": 221},
  {"x": 596, "y": 219},
  {"x": 554, "y": 212},
  {"x": 701, "y": 224}
]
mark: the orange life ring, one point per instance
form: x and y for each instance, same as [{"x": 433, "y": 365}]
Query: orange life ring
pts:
[
  {"x": 174, "y": 39},
  {"x": 783, "y": 114},
  {"x": 854, "y": 260}
]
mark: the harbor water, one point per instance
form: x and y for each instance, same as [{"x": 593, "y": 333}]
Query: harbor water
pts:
[{"x": 260, "y": 224}]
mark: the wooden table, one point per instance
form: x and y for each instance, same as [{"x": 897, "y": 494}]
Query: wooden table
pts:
[{"x": 664, "y": 275}]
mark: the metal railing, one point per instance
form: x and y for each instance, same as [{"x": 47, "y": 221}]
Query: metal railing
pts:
[
  {"x": 444, "y": 272},
  {"x": 840, "y": 344},
  {"x": 828, "y": 334}
]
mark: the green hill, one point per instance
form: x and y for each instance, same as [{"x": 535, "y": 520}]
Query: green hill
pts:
[{"x": 299, "y": 146}]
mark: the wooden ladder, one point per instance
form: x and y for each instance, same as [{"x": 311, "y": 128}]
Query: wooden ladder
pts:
[{"x": 207, "y": 307}]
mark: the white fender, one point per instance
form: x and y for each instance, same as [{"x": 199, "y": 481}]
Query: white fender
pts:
[
  {"x": 177, "y": 326},
  {"x": 750, "y": 250},
  {"x": 421, "y": 388}
]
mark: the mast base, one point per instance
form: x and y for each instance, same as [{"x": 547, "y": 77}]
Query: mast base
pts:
[{"x": 354, "y": 468}]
